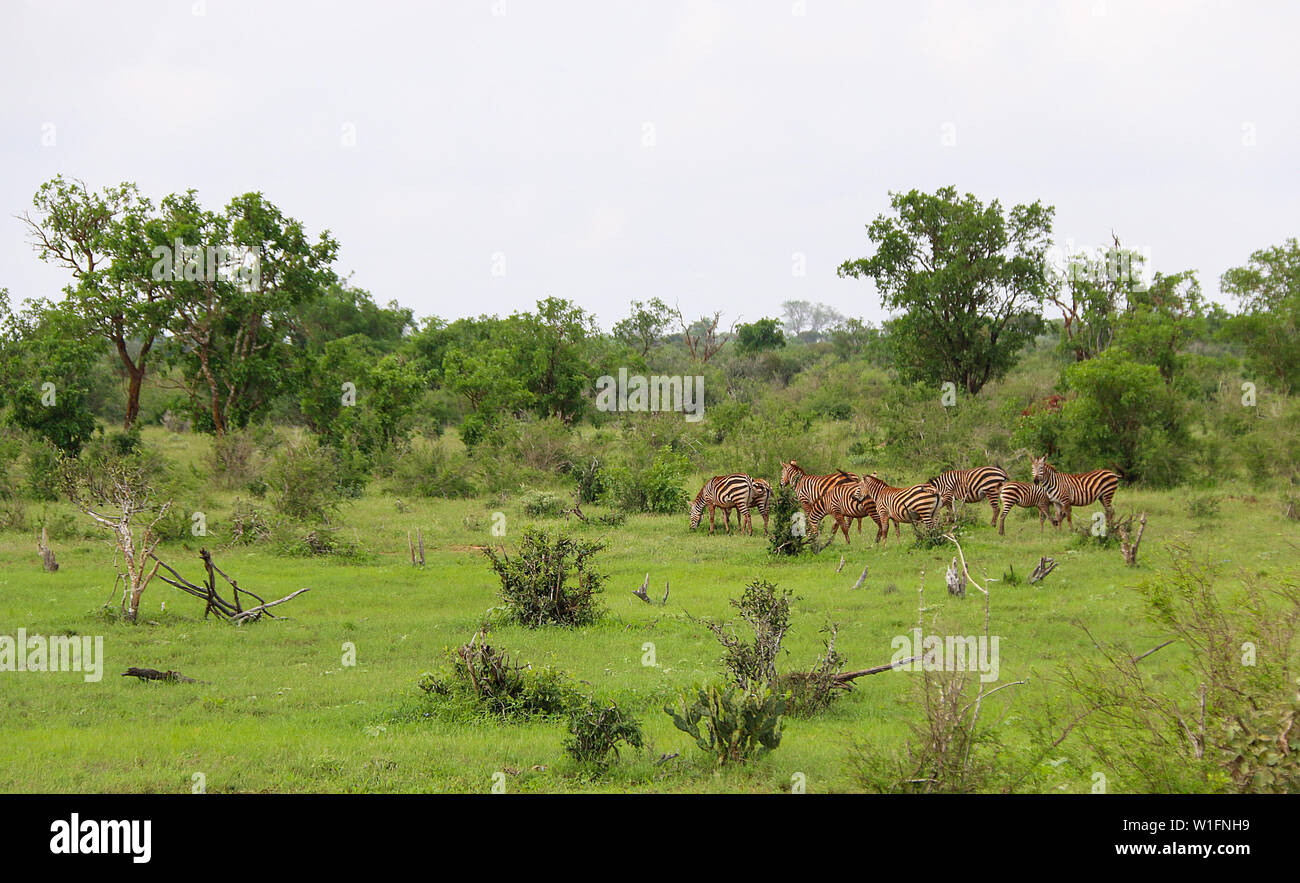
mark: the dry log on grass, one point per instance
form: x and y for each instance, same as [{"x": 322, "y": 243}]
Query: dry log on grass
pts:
[
  {"x": 152, "y": 674},
  {"x": 845, "y": 679},
  {"x": 1045, "y": 566}
]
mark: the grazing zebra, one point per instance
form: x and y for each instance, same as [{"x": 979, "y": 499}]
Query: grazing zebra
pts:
[
  {"x": 843, "y": 506},
  {"x": 726, "y": 492},
  {"x": 811, "y": 490},
  {"x": 1022, "y": 493},
  {"x": 918, "y": 504},
  {"x": 1077, "y": 489},
  {"x": 969, "y": 486}
]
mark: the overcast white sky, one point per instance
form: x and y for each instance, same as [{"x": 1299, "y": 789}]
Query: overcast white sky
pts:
[{"x": 683, "y": 149}]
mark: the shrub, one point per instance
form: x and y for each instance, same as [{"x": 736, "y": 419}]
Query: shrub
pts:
[
  {"x": 730, "y": 724},
  {"x": 550, "y": 581},
  {"x": 596, "y": 730},
  {"x": 932, "y": 536},
  {"x": 752, "y": 665},
  {"x": 429, "y": 471},
  {"x": 653, "y": 487},
  {"x": 542, "y": 504},
  {"x": 1204, "y": 508},
  {"x": 302, "y": 481},
  {"x": 491, "y": 680},
  {"x": 248, "y": 525},
  {"x": 1259, "y": 755},
  {"x": 232, "y": 459},
  {"x": 789, "y": 528},
  {"x": 43, "y": 472},
  {"x": 590, "y": 478}
]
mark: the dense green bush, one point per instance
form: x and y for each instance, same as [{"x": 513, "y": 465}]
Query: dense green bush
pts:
[
  {"x": 302, "y": 481},
  {"x": 596, "y": 729},
  {"x": 487, "y": 678},
  {"x": 551, "y": 580},
  {"x": 426, "y": 470},
  {"x": 655, "y": 486}
]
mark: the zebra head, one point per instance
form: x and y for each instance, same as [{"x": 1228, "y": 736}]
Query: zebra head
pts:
[
  {"x": 790, "y": 472},
  {"x": 697, "y": 510},
  {"x": 1041, "y": 469},
  {"x": 866, "y": 488}
]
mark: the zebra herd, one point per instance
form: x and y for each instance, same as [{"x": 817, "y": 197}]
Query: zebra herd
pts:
[{"x": 847, "y": 497}]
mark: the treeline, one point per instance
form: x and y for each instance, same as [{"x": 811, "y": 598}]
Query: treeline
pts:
[{"x": 226, "y": 321}]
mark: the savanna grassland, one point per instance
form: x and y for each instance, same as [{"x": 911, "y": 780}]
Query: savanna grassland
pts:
[
  {"x": 265, "y": 408},
  {"x": 276, "y": 710}
]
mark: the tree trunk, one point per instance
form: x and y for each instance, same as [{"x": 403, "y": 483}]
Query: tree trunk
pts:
[{"x": 134, "y": 383}]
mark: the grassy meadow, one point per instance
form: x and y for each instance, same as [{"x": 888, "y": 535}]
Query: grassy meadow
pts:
[{"x": 276, "y": 709}]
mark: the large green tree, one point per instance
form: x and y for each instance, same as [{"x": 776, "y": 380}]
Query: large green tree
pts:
[
  {"x": 968, "y": 280},
  {"x": 1268, "y": 326},
  {"x": 103, "y": 240},
  {"x": 233, "y": 326},
  {"x": 47, "y": 354}
]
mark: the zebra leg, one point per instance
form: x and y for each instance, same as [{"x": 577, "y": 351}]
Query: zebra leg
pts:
[
  {"x": 743, "y": 512},
  {"x": 712, "y": 524},
  {"x": 726, "y": 520},
  {"x": 993, "y": 501},
  {"x": 1002, "y": 521}
]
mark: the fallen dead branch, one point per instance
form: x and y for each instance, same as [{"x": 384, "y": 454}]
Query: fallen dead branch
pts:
[
  {"x": 152, "y": 674},
  {"x": 231, "y": 610}
]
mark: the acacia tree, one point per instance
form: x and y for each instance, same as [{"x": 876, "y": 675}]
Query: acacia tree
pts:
[
  {"x": 968, "y": 278},
  {"x": 104, "y": 241}
]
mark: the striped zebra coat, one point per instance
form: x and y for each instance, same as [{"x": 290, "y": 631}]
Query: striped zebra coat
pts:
[
  {"x": 918, "y": 504},
  {"x": 811, "y": 490},
  {"x": 1022, "y": 493},
  {"x": 1077, "y": 489},
  {"x": 726, "y": 492},
  {"x": 842, "y": 504},
  {"x": 970, "y": 486}
]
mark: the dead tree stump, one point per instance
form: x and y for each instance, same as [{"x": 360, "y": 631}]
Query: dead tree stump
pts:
[
  {"x": 1127, "y": 548},
  {"x": 47, "y": 554}
]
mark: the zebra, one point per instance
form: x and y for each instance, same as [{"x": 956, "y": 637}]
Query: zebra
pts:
[
  {"x": 726, "y": 492},
  {"x": 1077, "y": 489},
  {"x": 969, "y": 486},
  {"x": 915, "y": 505},
  {"x": 1022, "y": 493},
  {"x": 811, "y": 490},
  {"x": 841, "y": 505}
]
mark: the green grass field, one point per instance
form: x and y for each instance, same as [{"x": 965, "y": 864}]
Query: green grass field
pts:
[{"x": 276, "y": 710}]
